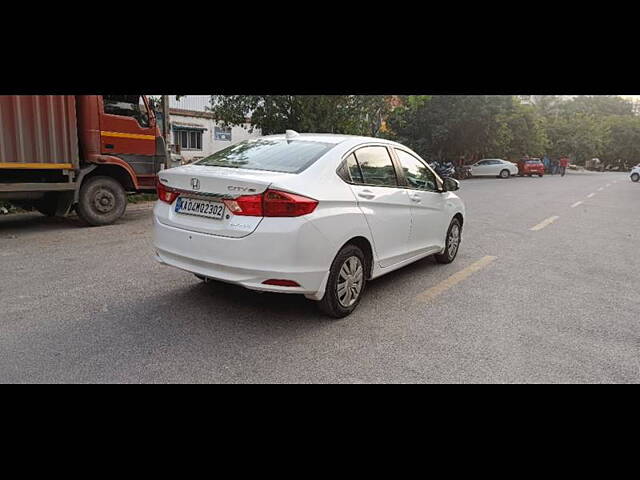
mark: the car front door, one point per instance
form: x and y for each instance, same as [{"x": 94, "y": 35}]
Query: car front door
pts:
[
  {"x": 481, "y": 168},
  {"x": 428, "y": 225},
  {"x": 384, "y": 203}
]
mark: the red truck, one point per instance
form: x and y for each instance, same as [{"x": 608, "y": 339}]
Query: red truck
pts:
[
  {"x": 82, "y": 152},
  {"x": 530, "y": 166}
]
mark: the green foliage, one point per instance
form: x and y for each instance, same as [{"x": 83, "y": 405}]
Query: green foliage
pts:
[
  {"x": 449, "y": 127},
  {"x": 469, "y": 126},
  {"x": 348, "y": 114},
  {"x": 474, "y": 126}
]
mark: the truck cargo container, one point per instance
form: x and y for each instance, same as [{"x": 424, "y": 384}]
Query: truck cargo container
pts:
[{"x": 84, "y": 152}]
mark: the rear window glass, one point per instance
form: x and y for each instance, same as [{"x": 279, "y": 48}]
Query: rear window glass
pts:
[{"x": 288, "y": 156}]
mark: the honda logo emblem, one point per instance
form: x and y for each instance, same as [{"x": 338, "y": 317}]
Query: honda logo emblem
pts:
[{"x": 195, "y": 184}]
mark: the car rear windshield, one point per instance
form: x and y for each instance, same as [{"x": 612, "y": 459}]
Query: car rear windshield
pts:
[{"x": 287, "y": 156}]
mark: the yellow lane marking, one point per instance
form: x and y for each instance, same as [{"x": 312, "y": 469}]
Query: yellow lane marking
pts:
[
  {"x": 576, "y": 204},
  {"x": 590, "y": 195},
  {"x": 544, "y": 223},
  {"x": 127, "y": 135},
  {"x": 37, "y": 166},
  {"x": 454, "y": 279}
]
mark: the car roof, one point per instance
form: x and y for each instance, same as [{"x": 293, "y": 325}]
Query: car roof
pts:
[{"x": 333, "y": 138}]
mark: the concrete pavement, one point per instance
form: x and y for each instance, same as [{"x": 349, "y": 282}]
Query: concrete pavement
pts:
[{"x": 558, "y": 302}]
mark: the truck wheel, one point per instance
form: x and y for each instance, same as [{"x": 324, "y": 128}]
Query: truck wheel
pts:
[{"x": 102, "y": 201}]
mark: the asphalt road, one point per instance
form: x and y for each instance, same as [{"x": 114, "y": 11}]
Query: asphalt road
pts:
[{"x": 560, "y": 303}]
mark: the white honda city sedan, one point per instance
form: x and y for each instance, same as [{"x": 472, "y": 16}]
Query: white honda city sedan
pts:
[
  {"x": 313, "y": 214},
  {"x": 494, "y": 167}
]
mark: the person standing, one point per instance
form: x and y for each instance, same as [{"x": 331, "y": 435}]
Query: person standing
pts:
[
  {"x": 545, "y": 162},
  {"x": 564, "y": 163}
]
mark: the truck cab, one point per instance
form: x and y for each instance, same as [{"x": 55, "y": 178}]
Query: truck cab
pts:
[{"x": 79, "y": 151}]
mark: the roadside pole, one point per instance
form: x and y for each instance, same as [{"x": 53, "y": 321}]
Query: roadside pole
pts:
[{"x": 165, "y": 129}]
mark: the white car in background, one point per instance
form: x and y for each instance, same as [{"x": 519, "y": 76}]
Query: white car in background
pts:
[
  {"x": 635, "y": 173},
  {"x": 494, "y": 167},
  {"x": 312, "y": 214}
]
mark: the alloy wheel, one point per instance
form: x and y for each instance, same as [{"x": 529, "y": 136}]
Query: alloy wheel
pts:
[
  {"x": 350, "y": 281},
  {"x": 453, "y": 241}
]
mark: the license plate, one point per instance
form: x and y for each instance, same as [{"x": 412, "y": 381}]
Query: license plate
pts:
[{"x": 201, "y": 208}]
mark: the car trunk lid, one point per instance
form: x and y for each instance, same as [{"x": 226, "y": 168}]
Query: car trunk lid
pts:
[{"x": 215, "y": 184}]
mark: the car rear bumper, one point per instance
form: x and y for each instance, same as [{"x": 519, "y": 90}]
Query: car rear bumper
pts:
[{"x": 246, "y": 261}]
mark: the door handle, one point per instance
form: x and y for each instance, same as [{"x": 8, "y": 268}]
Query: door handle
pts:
[
  {"x": 415, "y": 198},
  {"x": 368, "y": 194}
]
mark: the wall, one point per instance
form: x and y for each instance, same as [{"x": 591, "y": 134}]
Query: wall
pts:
[{"x": 191, "y": 109}]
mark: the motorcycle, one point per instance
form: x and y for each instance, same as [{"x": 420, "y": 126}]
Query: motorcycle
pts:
[
  {"x": 444, "y": 169},
  {"x": 463, "y": 172}
]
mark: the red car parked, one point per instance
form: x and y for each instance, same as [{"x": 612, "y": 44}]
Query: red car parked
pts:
[{"x": 532, "y": 166}]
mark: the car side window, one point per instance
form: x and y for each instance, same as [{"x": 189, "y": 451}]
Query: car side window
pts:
[
  {"x": 376, "y": 166},
  {"x": 417, "y": 174},
  {"x": 484, "y": 162}
]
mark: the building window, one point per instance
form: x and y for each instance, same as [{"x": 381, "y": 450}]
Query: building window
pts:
[
  {"x": 223, "y": 134},
  {"x": 188, "y": 139}
]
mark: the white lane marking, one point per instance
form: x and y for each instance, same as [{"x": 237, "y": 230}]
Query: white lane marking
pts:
[
  {"x": 608, "y": 185},
  {"x": 590, "y": 195},
  {"x": 454, "y": 279},
  {"x": 576, "y": 204},
  {"x": 600, "y": 189},
  {"x": 544, "y": 223}
]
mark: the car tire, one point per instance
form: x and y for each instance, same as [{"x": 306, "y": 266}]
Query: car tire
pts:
[
  {"x": 102, "y": 201},
  {"x": 348, "y": 267},
  {"x": 505, "y": 173},
  {"x": 635, "y": 177},
  {"x": 452, "y": 244},
  {"x": 540, "y": 175}
]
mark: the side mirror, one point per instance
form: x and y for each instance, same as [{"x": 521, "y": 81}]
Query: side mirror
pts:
[{"x": 450, "y": 184}]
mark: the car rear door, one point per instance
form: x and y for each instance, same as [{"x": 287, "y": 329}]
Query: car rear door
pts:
[
  {"x": 383, "y": 202},
  {"x": 428, "y": 225}
]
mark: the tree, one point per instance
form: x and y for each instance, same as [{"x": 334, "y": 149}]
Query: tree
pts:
[
  {"x": 520, "y": 130},
  {"x": 580, "y": 136},
  {"x": 622, "y": 145},
  {"x": 348, "y": 114},
  {"x": 598, "y": 105},
  {"x": 470, "y": 126}
]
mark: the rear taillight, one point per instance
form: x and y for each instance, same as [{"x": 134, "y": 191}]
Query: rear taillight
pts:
[
  {"x": 166, "y": 194},
  {"x": 283, "y": 204},
  {"x": 272, "y": 203},
  {"x": 247, "y": 205}
]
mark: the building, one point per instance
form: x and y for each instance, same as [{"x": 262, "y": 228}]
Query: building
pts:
[{"x": 196, "y": 131}]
